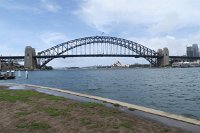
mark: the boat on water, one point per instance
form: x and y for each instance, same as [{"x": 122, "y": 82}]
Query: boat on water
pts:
[
  {"x": 7, "y": 75},
  {"x": 185, "y": 64}
]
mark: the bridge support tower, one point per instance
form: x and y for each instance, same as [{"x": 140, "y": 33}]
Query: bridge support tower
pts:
[
  {"x": 30, "y": 62},
  {"x": 164, "y": 60}
]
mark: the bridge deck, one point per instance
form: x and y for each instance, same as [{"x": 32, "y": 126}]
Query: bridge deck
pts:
[
  {"x": 96, "y": 55},
  {"x": 65, "y": 56},
  {"x": 183, "y": 57},
  {"x": 11, "y": 57}
]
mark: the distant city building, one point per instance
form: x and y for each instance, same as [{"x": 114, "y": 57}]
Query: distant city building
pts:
[
  {"x": 195, "y": 50},
  {"x": 189, "y": 51}
]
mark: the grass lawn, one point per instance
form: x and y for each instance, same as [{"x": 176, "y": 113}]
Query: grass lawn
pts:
[{"x": 24, "y": 111}]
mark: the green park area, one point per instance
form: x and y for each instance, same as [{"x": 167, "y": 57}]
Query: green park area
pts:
[{"x": 24, "y": 111}]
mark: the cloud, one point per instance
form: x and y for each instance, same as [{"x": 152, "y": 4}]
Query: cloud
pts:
[
  {"x": 13, "y": 41},
  {"x": 176, "y": 46},
  {"x": 15, "y": 6},
  {"x": 50, "y": 6},
  {"x": 157, "y": 17},
  {"x": 174, "y": 24},
  {"x": 50, "y": 39},
  {"x": 35, "y": 7}
]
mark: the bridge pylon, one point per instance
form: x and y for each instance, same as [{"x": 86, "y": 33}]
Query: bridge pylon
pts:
[
  {"x": 164, "y": 60},
  {"x": 30, "y": 62}
]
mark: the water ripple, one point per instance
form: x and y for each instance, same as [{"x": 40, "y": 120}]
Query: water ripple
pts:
[{"x": 172, "y": 90}]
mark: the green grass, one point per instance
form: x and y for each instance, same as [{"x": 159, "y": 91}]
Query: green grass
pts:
[
  {"x": 109, "y": 112},
  {"x": 56, "y": 112},
  {"x": 90, "y": 123},
  {"x": 15, "y": 95},
  {"x": 116, "y": 104},
  {"x": 25, "y": 95},
  {"x": 124, "y": 125},
  {"x": 96, "y": 125},
  {"x": 22, "y": 113},
  {"x": 131, "y": 109},
  {"x": 83, "y": 105},
  {"x": 54, "y": 98},
  {"x": 90, "y": 104},
  {"x": 52, "y": 111},
  {"x": 34, "y": 126},
  {"x": 65, "y": 111},
  {"x": 85, "y": 122},
  {"x": 70, "y": 107}
]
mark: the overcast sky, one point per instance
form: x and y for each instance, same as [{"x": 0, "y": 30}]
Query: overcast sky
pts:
[{"x": 44, "y": 23}]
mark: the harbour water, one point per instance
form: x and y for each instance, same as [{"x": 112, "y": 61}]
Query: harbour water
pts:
[{"x": 175, "y": 90}]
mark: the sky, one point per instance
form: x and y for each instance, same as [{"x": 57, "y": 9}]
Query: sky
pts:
[{"x": 42, "y": 24}]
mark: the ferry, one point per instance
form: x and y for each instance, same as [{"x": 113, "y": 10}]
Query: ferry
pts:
[
  {"x": 185, "y": 64},
  {"x": 7, "y": 75}
]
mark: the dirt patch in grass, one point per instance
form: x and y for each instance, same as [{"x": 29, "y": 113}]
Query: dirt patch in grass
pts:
[{"x": 24, "y": 111}]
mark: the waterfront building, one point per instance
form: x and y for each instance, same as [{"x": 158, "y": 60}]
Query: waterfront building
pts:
[
  {"x": 189, "y": 51},
  {"x": 195, "y": 50}
]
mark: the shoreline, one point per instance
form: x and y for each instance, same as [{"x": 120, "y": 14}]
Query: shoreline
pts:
[
  {"x": 141, "y": 108},
  {"x": 147, "y": 113}
]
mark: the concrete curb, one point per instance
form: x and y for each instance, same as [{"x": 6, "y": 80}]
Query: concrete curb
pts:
[
  {"x": 144, "y": 109},
  {"x": 141, "y": 108}
]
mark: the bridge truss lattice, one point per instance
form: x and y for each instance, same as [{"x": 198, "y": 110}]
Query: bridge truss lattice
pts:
[{"x": 98, "y": 46}]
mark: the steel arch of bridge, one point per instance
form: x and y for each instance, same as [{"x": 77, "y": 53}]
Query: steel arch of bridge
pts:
[{"x": 123, "y": 48}]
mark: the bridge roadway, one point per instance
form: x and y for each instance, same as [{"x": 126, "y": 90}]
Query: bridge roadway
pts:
[
  {"x": 183, "y": 57},
  {"x": 66, "y": 56},
  {"x": 11, "y": 57},
  {"x": 96, "y": 55}
]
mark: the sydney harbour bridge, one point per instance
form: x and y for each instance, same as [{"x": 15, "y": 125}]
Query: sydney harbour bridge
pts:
[{"x": 95, "y": 46}]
